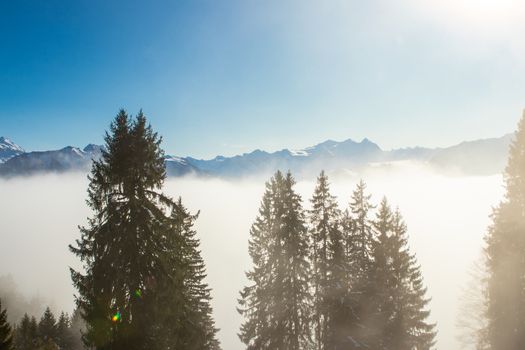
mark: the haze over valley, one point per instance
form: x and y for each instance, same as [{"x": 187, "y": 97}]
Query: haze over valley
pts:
[{"x": 32, "y": 205}]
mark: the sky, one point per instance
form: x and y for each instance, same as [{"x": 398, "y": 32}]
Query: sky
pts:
[{"x": 227, "y": 77}]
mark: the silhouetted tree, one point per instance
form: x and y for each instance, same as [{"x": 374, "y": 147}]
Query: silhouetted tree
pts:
[
  {"x": 505, "y": 254},
  {"x": 23, "y": 337},
  {"x": 121, "y": 244},
  {"x": 399, "y": 317},
  {"x": 47, "y": 327},
  {"x": 186, "y": 298},
  {"x": 6, "y": 333},
  {"x": 127, "y": 248},
  {"x": 65, "y": 338},
  {"x": 276, "y": 304}
]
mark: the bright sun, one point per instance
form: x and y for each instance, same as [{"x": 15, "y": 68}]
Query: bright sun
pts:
[{"x": 482, "y": 15}]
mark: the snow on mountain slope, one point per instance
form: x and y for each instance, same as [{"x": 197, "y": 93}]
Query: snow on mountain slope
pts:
[
  {"x": 65, "y": 159},
  {"x": 479, "y": 157},
  {"x": 8, "y": 149}
]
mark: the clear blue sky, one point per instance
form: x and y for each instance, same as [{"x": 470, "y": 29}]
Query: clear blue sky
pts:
[{"x": 225, "y": 77}]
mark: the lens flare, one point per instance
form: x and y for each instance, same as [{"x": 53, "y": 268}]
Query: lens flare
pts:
[{"x": 116, "y": 317}]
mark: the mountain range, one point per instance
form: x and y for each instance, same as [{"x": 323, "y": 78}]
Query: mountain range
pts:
[{"x": 480, "y": 157}]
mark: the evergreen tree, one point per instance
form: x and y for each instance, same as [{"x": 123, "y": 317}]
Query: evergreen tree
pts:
[
  {"x": 276, "y": 303},
  {"x": 121, "y": 245},
  {"x": 23, "y": 339},
  {"x": 130, "y": 251},
  {"x": 47, "y": 327},
  {"x": 189, "y": 324},
  {"x": 6, "y": 334},
  {"x": 328, "y": 267},
  {"x": 64, "y": 337},
  {"x": 358, "y": 240},
  {"x": 505, "y": 256},
  {"x": 381, "y": 298},
  {"x": 400, "y": 306},
  {"x": 33, "y": 331},
  {"x": 337, "y": 305}
]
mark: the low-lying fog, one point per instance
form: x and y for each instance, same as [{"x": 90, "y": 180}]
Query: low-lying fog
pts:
[{"x": 446, "y": 216}]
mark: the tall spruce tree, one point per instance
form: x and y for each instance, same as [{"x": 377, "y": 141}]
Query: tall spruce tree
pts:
[
  {"x": 381, "y": 298},
  {"x": 276, "y": 304},
  {"x": 400, "y": 306},
  {"x": 64, "y": 335},
  {"x": 25, "y": 334},
  {"x": 358, "y": 240},
  {"x": 188, "y": 323},
  {"x": 505, "y": 255},
  {"x": 126, "y": 247},
  {"x": 6, "y": 333},
  {"x": 47, "y": 327},
  {"x": 328, "y": 267}
]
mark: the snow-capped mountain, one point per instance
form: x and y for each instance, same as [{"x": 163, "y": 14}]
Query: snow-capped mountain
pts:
[
  {"x": 8, "y": 149},
  {"x": 177, "y": 166},
  {"x": 328, "y": 155},
  {"x": 66, "y": 159},
  {"x": 481, "y": 157}
]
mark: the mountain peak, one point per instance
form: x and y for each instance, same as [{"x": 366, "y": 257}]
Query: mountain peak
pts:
[
  {"x": 8, "y": 149},
  {"x": 92, "y": 148},
  {"x": 7, "y": 143}
]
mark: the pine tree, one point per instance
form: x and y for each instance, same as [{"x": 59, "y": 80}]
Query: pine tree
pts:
[
  {"x": 64, "y": 337},
  {"x": 47, "y": 327},
  {"x": 328, "y": 267},
  {"x": 382, "y": 299},
  {"x": 505, "y": 255},
  {"x": 133, "y": 257},
  {"x": 399, "y": 296},
  {"x": 276, "y": 303},
  {"x": 6, "y": 334},
  {"x": 358, "y": 240},
  {"x": 189, "y": 321},
  {"x": 121, "y": 245},
  {"x": 23, "y": 339}
]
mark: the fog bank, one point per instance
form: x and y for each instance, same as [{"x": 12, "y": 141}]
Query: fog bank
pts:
[{"x": 446, "y": 217}]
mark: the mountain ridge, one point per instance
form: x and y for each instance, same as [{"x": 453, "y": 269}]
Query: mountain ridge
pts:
[{"x": 477, "y": 157}]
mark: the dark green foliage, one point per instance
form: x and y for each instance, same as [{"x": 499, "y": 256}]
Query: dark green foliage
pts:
[
  {"x": 48, "y": 333},
  {"x": 400, "y": 306},
  {"x": 31, "y": 335},
  {"x": 120, "y": 246},
  {"x": 505, "y": 256},
  {"x": 6, "y": 334},
  {"x": 65, "y": 338},
  {"x": 129, "y": 250},
  {"x": 47, "y": 327},
  {"x": 188, "y": 323},
  {"x": 23, "y": 336},
  {"x": 276, "y": 303}
]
